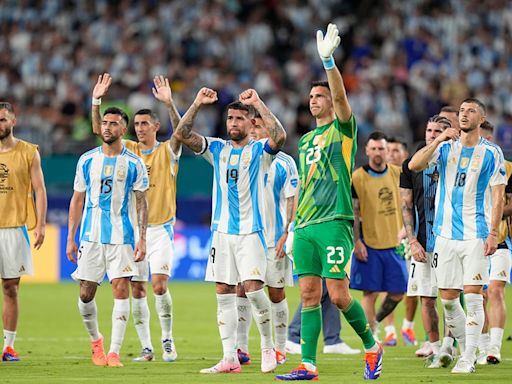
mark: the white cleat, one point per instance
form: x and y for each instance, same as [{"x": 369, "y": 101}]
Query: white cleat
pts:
[
  {"x": 223, "y": 366},
  {"x": 341, "y": 348},
  {"x": 170, "y": 353},
  {"x": 481, "y": 359},
  {"x": 425, "y": 350},
  {"x": 293, "y": 348},
  {"x": 493, "y": 356},
  {"x": 145, "y": 355},
  {"x": 268, "y": 360},
  {"x": 463, "y": 366}
]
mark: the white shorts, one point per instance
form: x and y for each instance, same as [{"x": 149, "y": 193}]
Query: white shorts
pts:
[
  {"x": 15, "y": 255},
  {"x": 500, "y": 265},
  {"x": 460, "y": 262},
  {"x": 96, "y": 259},
  {"x": 235, "y": 258},
  {"x": 159, "y": 252},
  {"x": 279, "y": 270},
  {"x": 422, "y": 278}
]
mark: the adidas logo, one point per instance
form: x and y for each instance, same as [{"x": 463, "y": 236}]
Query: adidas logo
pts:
[
  {"x": 281, "y": 280},
  {"x": 122, "y": 318},
  {"x": 127, "y": 269},
  {"x": 265, "y": 321},
  {"x": 242, "y": 319},
  {"x": 165, "y": 267},
  {"x": 255, "y": 272},
  {"x": 477, "y": 277},
  {"x": 502, "y": 274},
  {"x": 335, "y": 269},
  {"x": 472, "y": 323},
  {"x": 140, "y": 322},
  {"x": 221, "y": 323},
  {"x": 22, "y": 269},
  {"x": 282, "y": 325}
]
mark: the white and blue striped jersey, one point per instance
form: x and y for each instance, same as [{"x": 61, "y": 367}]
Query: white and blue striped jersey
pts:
[
  {"x": 463, "y": 196},
  {"x": 109, "y": 184},
  {"x": 238, "y": 184},
  {"x": 281, "y": 181}
]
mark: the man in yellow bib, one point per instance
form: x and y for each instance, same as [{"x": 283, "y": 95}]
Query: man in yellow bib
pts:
[
  {"x": 161, "y": 161},
  {"x": 20, "y": 177}
]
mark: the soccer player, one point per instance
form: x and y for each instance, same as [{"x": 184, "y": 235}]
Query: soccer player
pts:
[
  {"x": 108, "y": 179},
  {"x": 323, "y": 240},
  {"x": 238, "y": 247},
  {"x": 377, "y": 266},
  {"x": 161, "y": 160},
  {"x": 451, "y": 113},
  {"x": 281, "y": 182},
  {"x": 20, "y": 177},
  {"x": 417, "y": 191},
  {"x": 469, "y": 206}
]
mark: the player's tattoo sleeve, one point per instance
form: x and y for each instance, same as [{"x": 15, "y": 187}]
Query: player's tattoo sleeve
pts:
[
  {"x": 184, "y": 132},
  {"x": 96, "y": 119},
  {"x": 290, "y": 211},
  {"x": 174, "y": 115},
  {"x": 142, "y": 213},
  {"x": 407, "y": 211}
]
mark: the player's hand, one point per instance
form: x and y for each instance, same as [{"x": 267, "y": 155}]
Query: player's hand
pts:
[
  {"x": 360, "y": 251},
  {"x": 140, "y": 250},
  {"x": 490, "y": 245},
  {"x": 417, "y": 251},
  {"x": 71, "y": 250},
  {"x": 162, "y": 90},
  {"x": 448, "y": 134},
  {"x": 249, "y": 97},
  {"x": 326, "y": 45},
  {"x": 102, "y": 86},
  {"x": 39, "y": 232},
  {"x": 205, "y": 96},
  {"x": 280, "y": 253}
]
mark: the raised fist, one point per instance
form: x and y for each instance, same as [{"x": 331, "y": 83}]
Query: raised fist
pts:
[
  {"x": 206, "y": 96},
  {"x": 249, "y": 97}
]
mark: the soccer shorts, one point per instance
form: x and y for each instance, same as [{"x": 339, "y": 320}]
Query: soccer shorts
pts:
[
  {"x": 460, "y": 262},
  {"x": 96, "y": 259},
  {"x": 323, "y": 249},
  {"x": 422, "y": 278},
  {"x": 385, "y": 271},
  {"x": 500, "y": 265},
  {"x": 15, "y": 255},
  {"x": 159, "y": 252},
  {"x": 237, "y": 258},
  {"x": 279, "y": 270}
]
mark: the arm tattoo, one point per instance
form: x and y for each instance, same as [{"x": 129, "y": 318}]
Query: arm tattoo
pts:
[
  {"x": 173, "y": 115},
  {"x": 275, "y": 128},
  {"x": 142, "y": 213},
  {"x": 96, "y": 120},
  {"x": 184, "y": 131},
  {"x": 289, "y": 211},
  {"x": 407, "y": 211}
]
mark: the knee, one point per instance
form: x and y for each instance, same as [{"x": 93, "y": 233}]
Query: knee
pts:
[
  {"x": 495, "y": 293},
  {"x": 340, "y": 300},
  {"x": 276, "y": 295},
  {"x": 396, "y": 296},
  {"x": 138, "y": 290},
  {"x": 11, "y": 290},
  {"x": 310, "y": 298},
  {"x": 86, "y": 297},
  {"x": 159, "y": 287}
]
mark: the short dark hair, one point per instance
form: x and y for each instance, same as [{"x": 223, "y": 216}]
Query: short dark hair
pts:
[
  {"x": 446, "y": 123},
  {"x": 393, "y": 139},
  {"x": 449, "y": 109},
  {"x": 474, "y": 100},
  {"x": 7, "y": 106},
  {"x": 146, "y": 111},
  {"x": 377, "y": 135},
  {"x": 320, "y": 83},
  {"x": 487, "y": 125},
  {"x": 239, "y": 106},
  {"x": 117, "y": 111}
]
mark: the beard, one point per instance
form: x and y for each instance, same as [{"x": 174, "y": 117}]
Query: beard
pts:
[
  {"x": 6, "y": 133},
  {"x": 109, "y": 140},
  {"x": 238, "y": 136}
]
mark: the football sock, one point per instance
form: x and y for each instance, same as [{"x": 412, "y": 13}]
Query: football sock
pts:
[
  {"x": 163, "y": 304},
  {"x": 9, "y": 337},
  {"x": 280, "y": 320},
  {"x": 496, "y": 336},
  {"x": 456, "y": 320},
  {"x": 356, "y": 318},
  {"x": 120, "y": 316},
  {"x": 474, "y": 323},
  {"x": 141, "y": 318},
  {"x": 244, "y": 323},
  {"x": 227, "y": 322},
  {"x": 262, "y": 314},
  {"x": 89, "y": 314},
  {"x": 311, "y": 323}
]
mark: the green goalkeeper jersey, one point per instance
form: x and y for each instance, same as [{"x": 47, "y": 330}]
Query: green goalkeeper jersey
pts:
[{"x": 326, "y": 161}]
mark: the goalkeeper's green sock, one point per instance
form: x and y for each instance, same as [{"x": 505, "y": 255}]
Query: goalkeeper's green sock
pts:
[
  {"x": 311, "y": 324},
  {"x": 356, "y": 318}
]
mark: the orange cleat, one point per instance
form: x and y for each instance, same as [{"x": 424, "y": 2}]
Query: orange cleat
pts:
[
  {"x": 98, "y": 354},
  {"x": 280, "y": 357},
  {"x": 113, "y": 360}
]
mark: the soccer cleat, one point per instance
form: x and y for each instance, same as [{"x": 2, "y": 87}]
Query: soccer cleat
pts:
[
  {"x": 341, "y": 348},
  {"x": 390, "y": 340},
  {"x": 481, "y": 359},
  {"x": 446, "y": 357},
  {"x": 293, "y": 348},
  {"x": 433, "y": 362},
  {"x": 280, "y": 357},
  {"x": 299, "y": 373},
  {"x": 10, "y": 354},
  {"x": 145, "y": 355},
  {"x": 113, "y": 360},
  {"x": 98, "y": 353},
  {"x": 243, "y": 357},
  {"x": 268, "y": 360},
  {"x": 463, "y": 366},
  {"x": 425, "y": 350},
  {"x": 169, "y": 354},
  {"x": 373, "y": 364},
  {"x": 223, "y": 366},
  {"x": 493, "y": 356},
  {"x": 408, "y": 336}
]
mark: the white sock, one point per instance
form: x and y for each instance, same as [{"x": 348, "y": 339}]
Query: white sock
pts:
[
  {"x": 496, "y": 337},
  {"x": 262, "y": 316},
  {"x": 9, "y": 337},
  {"x": 474, "y": 323},
  {"x": 244, "y": 309},
  {"x": 280, "y": 316},
  {"x": 227, "y": 322},
  {"x": 141, "y": 318},
  {"x": 483, "y": 343},
  {"x": 389, "y": 329},
  {"x": 163, "y": 305},
  {"x": 456, "y": 320},
  {"x": 89, "y": 313},
  {"x": 436, "y": 345},
  {"x": 447, "y": 343},
  {"x": 407, "y": 324},
  {"x": 120, "y": 316}
]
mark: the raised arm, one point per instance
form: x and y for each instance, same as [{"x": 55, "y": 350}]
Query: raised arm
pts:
[
  {"x": 184, "y": 132},
  {"x": 326, "y": 47},
  {"x": 422, "y": 157},
  {"x": 76, "y": 207},
  {"x": 142, "y": 221},
  {"x": 36, "y": 175},
  {"x": 162, "y": 92},
  {"x": 276, "y": 130},
  {"x": 100, "y": 90}
]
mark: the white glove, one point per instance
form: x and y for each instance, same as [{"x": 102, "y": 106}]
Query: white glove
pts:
[
  {"x": 288, "y": 245},
  {"x": 327, "y": 45}
]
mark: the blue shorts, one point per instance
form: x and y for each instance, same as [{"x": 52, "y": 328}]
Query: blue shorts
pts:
[{"x": 385, "y": 271}]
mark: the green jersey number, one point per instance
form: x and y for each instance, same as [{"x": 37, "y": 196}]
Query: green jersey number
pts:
[
  {"x": 335, "y": 255},
  {"x": 313, "y": 155}
]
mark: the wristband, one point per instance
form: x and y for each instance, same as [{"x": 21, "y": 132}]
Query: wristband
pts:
[
  {"x": 291, "y": 227},
  {"x": 96, "y": 101},
  {"x": 413, "y": 241},
  {"x": 328, "y": 62}
]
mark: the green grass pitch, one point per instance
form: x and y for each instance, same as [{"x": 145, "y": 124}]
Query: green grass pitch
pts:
[{"x": 54, "y": 346}]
